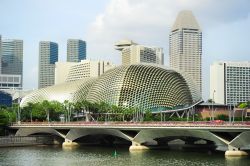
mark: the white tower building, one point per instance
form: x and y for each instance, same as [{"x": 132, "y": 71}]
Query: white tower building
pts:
[
  {"x": 230, "y": 82},
  {"x": 185, "y": 46}
]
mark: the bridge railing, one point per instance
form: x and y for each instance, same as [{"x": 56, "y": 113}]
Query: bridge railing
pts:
[{"x": 144, "y": 124}]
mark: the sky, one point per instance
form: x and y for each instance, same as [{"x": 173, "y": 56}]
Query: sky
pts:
[{"x": 225, "y": 26}]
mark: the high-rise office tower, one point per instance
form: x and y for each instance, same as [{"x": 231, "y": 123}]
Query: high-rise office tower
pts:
[
  {"x": 76, "y": 50},
  {"x": 185, "y": 46},
  {"x": 133, "y": 53},
  {"x": 48, "y": 56},
  {"x": 230, "y": 82},
  {"x": 11, "y": 54},
  {"x": 12, "y": 57}
]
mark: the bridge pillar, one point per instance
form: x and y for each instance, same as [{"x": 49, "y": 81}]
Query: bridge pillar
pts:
[
  {"x": 137, "y": 147},
  {"x": 234, "y": 152},
  {"x": 69, "y": 143}
]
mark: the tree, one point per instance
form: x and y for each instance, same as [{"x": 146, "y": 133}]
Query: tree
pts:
[
  {"x": 77, "y": 108},
  {"x": 148, "y": 116},
  {"x": 46, "y": 107},
  {"x": 67, "y": 110},
  {"x": 4, "y": 118},
  {"x": 243, "y": 106},
  {"x": 56, "y": 109}
]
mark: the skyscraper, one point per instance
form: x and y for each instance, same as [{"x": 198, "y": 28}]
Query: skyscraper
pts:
[
  {"x": 11, "y": 56},
  {"x": 76, "y": 50},
  {"x": 48, "y": 56},
  {"x": 185, "y": 46},
  {"x": 133, "y": 53}
]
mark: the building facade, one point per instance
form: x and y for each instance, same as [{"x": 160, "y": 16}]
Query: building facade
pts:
[
  {"x": 185, "y": 46},
  {"x": 11, "y": 64},
  {"x": 69, "y": 71},
  {"x": 12, "y": 57},
  {"x": 8, "y": 81},
  {"x": 48, "y": 56},
  {"x": 132, "y": 53},
  {"x": 62, "y": 71},
  {"x": 76, "y": 50},
  {"x": 230, "y": 82}
]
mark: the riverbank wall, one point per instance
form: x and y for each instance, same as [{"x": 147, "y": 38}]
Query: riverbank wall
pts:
[{"x": 15, "y": 141}]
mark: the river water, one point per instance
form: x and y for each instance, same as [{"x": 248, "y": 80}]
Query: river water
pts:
[{"x": 104, "y": 156}]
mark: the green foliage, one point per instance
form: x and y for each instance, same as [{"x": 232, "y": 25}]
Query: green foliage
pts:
[
  {"x": 222, "y": 117},
  {"x": 243, "y": 105},
  {"x": 148, "y": 116},
  {"x": 7, "y": 115},
  {"x": 4, "y": 119},
  {"x": 42, "y": 111}
]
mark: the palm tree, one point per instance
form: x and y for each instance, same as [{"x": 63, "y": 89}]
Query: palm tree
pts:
[
  {"x": 68, "y": 109},
  {"x": 46, "y": 107}
]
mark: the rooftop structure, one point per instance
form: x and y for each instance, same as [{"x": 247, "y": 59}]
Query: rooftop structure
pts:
[
  {"x": 133, "y": 53},
  {"x": 120, "y": 45}
]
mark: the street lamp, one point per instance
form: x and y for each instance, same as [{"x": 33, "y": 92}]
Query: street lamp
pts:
[{"x": 213, "y": 106}]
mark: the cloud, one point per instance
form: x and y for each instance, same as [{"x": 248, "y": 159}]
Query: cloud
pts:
[{"x": 149, "y": 21}]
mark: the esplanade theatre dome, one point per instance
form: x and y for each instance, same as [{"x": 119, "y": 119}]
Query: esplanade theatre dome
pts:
[{"x": 143, "y": 86}]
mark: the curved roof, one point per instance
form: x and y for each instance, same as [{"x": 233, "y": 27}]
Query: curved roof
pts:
[
  {"x": 144, "y": 86},
  {"x": 72, "y": 91}
]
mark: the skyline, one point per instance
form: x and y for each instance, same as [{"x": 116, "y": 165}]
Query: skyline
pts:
[{"x": 224, "y": 25}]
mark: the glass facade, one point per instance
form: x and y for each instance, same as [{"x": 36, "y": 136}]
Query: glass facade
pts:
[
  {"x": 76, "y": 50},
  {"x": 5, "y": 99}
]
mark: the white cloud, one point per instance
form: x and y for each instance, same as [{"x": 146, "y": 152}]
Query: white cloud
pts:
[{"x": 149, "y": 21}]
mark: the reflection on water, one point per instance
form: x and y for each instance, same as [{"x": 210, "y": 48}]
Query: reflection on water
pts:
[{"x": 104, "y": 156}]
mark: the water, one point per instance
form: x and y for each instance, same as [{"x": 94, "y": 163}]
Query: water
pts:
[{"x": 104, "y": 156}]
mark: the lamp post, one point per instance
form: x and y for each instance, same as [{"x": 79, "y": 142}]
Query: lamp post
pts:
[{"x": 213, "y": 106}]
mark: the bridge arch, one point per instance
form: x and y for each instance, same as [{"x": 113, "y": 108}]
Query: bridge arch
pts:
[
  {"x": 150, "y": 135},
  {"x": 30, "y": 131},
  {"x": 74, "y": 134}
]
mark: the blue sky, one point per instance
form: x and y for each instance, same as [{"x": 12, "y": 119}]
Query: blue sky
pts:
[{"x": 225, "y": 25}]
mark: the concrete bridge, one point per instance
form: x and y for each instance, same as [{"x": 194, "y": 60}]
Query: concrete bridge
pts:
[{"x": 148, "y": 134}]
